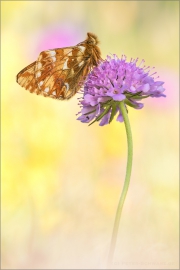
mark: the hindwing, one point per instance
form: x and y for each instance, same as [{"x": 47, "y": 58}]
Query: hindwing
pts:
[{"x": 60, "y": 73}]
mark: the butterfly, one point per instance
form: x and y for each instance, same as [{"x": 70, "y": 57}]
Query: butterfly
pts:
[{"x": 60, "y": 73}]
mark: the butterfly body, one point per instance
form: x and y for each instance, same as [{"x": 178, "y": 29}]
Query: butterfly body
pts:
[{"x": 60, "y": 73}]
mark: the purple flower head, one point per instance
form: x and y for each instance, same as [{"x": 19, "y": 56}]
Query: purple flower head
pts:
[{"x": 116, "y": 80}]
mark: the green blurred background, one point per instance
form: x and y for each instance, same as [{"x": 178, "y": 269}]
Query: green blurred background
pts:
[{"x": 61, "y": 179}]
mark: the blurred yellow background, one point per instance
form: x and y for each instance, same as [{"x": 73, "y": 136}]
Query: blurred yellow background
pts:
[{"x": 61, "y": 180}]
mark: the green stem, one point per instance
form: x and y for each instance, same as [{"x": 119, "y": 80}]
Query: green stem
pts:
[{"x": 126, "y": 183}]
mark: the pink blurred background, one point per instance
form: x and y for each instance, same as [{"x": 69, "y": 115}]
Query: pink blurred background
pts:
[{"x": 61, "y": 180}]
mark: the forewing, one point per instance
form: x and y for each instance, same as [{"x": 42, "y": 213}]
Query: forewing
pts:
[{"x": 59, "y": 72}]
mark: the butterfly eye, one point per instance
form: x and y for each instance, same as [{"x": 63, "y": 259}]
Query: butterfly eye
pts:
[{"x": 91, "y": 41}]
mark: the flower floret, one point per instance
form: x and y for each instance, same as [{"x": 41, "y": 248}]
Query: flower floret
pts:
[{"x": 115, "y": 80}]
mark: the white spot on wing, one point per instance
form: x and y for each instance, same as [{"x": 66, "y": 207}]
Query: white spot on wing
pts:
[
  {"x": 41, "y": 83},
  {"x": 38, "y": 74},
  {"x": 82, "y": 48},
  {"x": 67, "y": 86},
  {"x": 54, "y": 93},
  {"x": 46, "y": 89},
  {"x": 65, "y": 65},
  {"x": 39, "y": 65},
  {"x": 81, "y": 63},
  {"x": 54, "y": 59},
  {"x": 52, "y": 53}
]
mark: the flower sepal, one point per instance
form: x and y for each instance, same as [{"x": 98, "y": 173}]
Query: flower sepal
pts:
[
  {"x": 100, "y": 116},
  {"x": 137, "y": 96},
  {"x": 133, "y": 104},
  {"x": 110, "y": 109},
  {"x": 114, "y": 110}
]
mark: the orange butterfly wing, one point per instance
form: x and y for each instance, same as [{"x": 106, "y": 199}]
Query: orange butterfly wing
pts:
[
  {"x": 59, "y": 73},
  {"x": 26, "y": 78}
]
